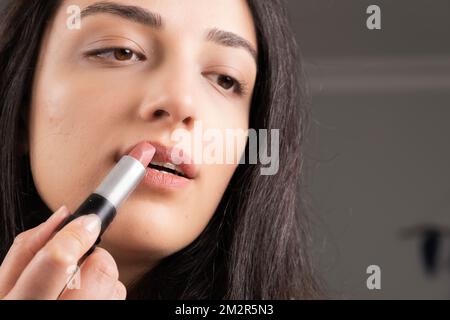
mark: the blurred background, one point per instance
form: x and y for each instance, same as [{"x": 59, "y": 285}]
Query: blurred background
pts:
[
  {"x": 379, "y": 177},
  {"x": 381, "y": 110}
]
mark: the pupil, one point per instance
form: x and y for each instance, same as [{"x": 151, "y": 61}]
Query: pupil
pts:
[
  {"x": 226, "y": 82},
  {"x": 123, "y": 54}
]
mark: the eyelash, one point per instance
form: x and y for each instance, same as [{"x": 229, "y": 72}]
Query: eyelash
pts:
[
  {"x": 98, "y": 52},
  {"x": 240, "y": 86}
]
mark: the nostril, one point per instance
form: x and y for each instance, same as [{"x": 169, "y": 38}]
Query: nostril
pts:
[
  {"x": 160, "y": 113},
  {"x": 188, "y": 121}
]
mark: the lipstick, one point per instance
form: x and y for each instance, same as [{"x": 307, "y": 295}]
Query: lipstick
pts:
[
  {"x": 115, "y": 188},
  {"x": 171, "y": 169}
]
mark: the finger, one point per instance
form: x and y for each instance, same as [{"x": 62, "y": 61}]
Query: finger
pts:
[
  {"x": 48, "y": 272},
  {"x": 25, "y": 247},
  {"x": 120, "y": 292},
  {"x": 99, "y": 277}
]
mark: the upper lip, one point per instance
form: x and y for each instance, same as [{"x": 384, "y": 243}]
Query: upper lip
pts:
[{"x": 163, "y": 154}]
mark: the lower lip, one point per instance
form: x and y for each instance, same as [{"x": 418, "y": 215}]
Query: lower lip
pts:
[{"x": 155, "y": 178}]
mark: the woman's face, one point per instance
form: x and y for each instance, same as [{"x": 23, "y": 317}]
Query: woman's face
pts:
[{"x": 91, "y": 104}]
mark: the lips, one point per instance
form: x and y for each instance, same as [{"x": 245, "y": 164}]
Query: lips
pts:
[
  {"x": 169, "y": 168},
  {"x": 174, "y": 158}
]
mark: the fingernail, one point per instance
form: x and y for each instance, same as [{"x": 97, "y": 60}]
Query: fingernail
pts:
[
  {"x": 63, "y": 211},
  {"x": 92, "y": 223},
  {"x": 60, "y": 213}
]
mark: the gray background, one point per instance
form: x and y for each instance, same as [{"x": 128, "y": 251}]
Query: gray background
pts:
[{"x": 378, "y": 140}]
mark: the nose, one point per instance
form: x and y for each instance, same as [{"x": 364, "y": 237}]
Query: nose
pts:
[
  {"x": 172, "y": 103},
  {"x": 175, "y": 111}
]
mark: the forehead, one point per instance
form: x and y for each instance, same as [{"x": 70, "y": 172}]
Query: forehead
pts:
[{"x": 185, "y": 17}]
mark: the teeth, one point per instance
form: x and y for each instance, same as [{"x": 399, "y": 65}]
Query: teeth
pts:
[{"x": 167, "y": 165}]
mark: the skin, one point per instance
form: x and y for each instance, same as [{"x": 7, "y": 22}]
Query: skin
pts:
[{"x": 88, "y": 111}]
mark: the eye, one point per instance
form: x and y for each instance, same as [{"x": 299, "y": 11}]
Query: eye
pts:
[
  {"x": 228, "y": 83},
  {"x": 123, "y": 54},
  {"x": 116, "y": 55}
]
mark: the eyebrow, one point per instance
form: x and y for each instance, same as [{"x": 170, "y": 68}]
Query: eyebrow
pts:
[
  {"x": 230, "y": 39},
  {"x": 154, "y": 20},
  {"x": 133, "y": 13}
]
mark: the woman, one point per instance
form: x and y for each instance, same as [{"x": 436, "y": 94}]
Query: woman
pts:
[{"x": 79, "y": 88}]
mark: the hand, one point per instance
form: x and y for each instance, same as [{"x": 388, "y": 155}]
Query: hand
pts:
[{"x": 38, "y": 263}]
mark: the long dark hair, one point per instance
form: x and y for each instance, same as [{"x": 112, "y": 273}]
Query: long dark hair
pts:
[{"x": 256, "y": 244}]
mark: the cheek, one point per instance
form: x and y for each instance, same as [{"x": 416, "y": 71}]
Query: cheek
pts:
[
  {"x": 69, "y": 133},
  {"x": 210, "y": 189},
  {"x": 224, "y": 140}
]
